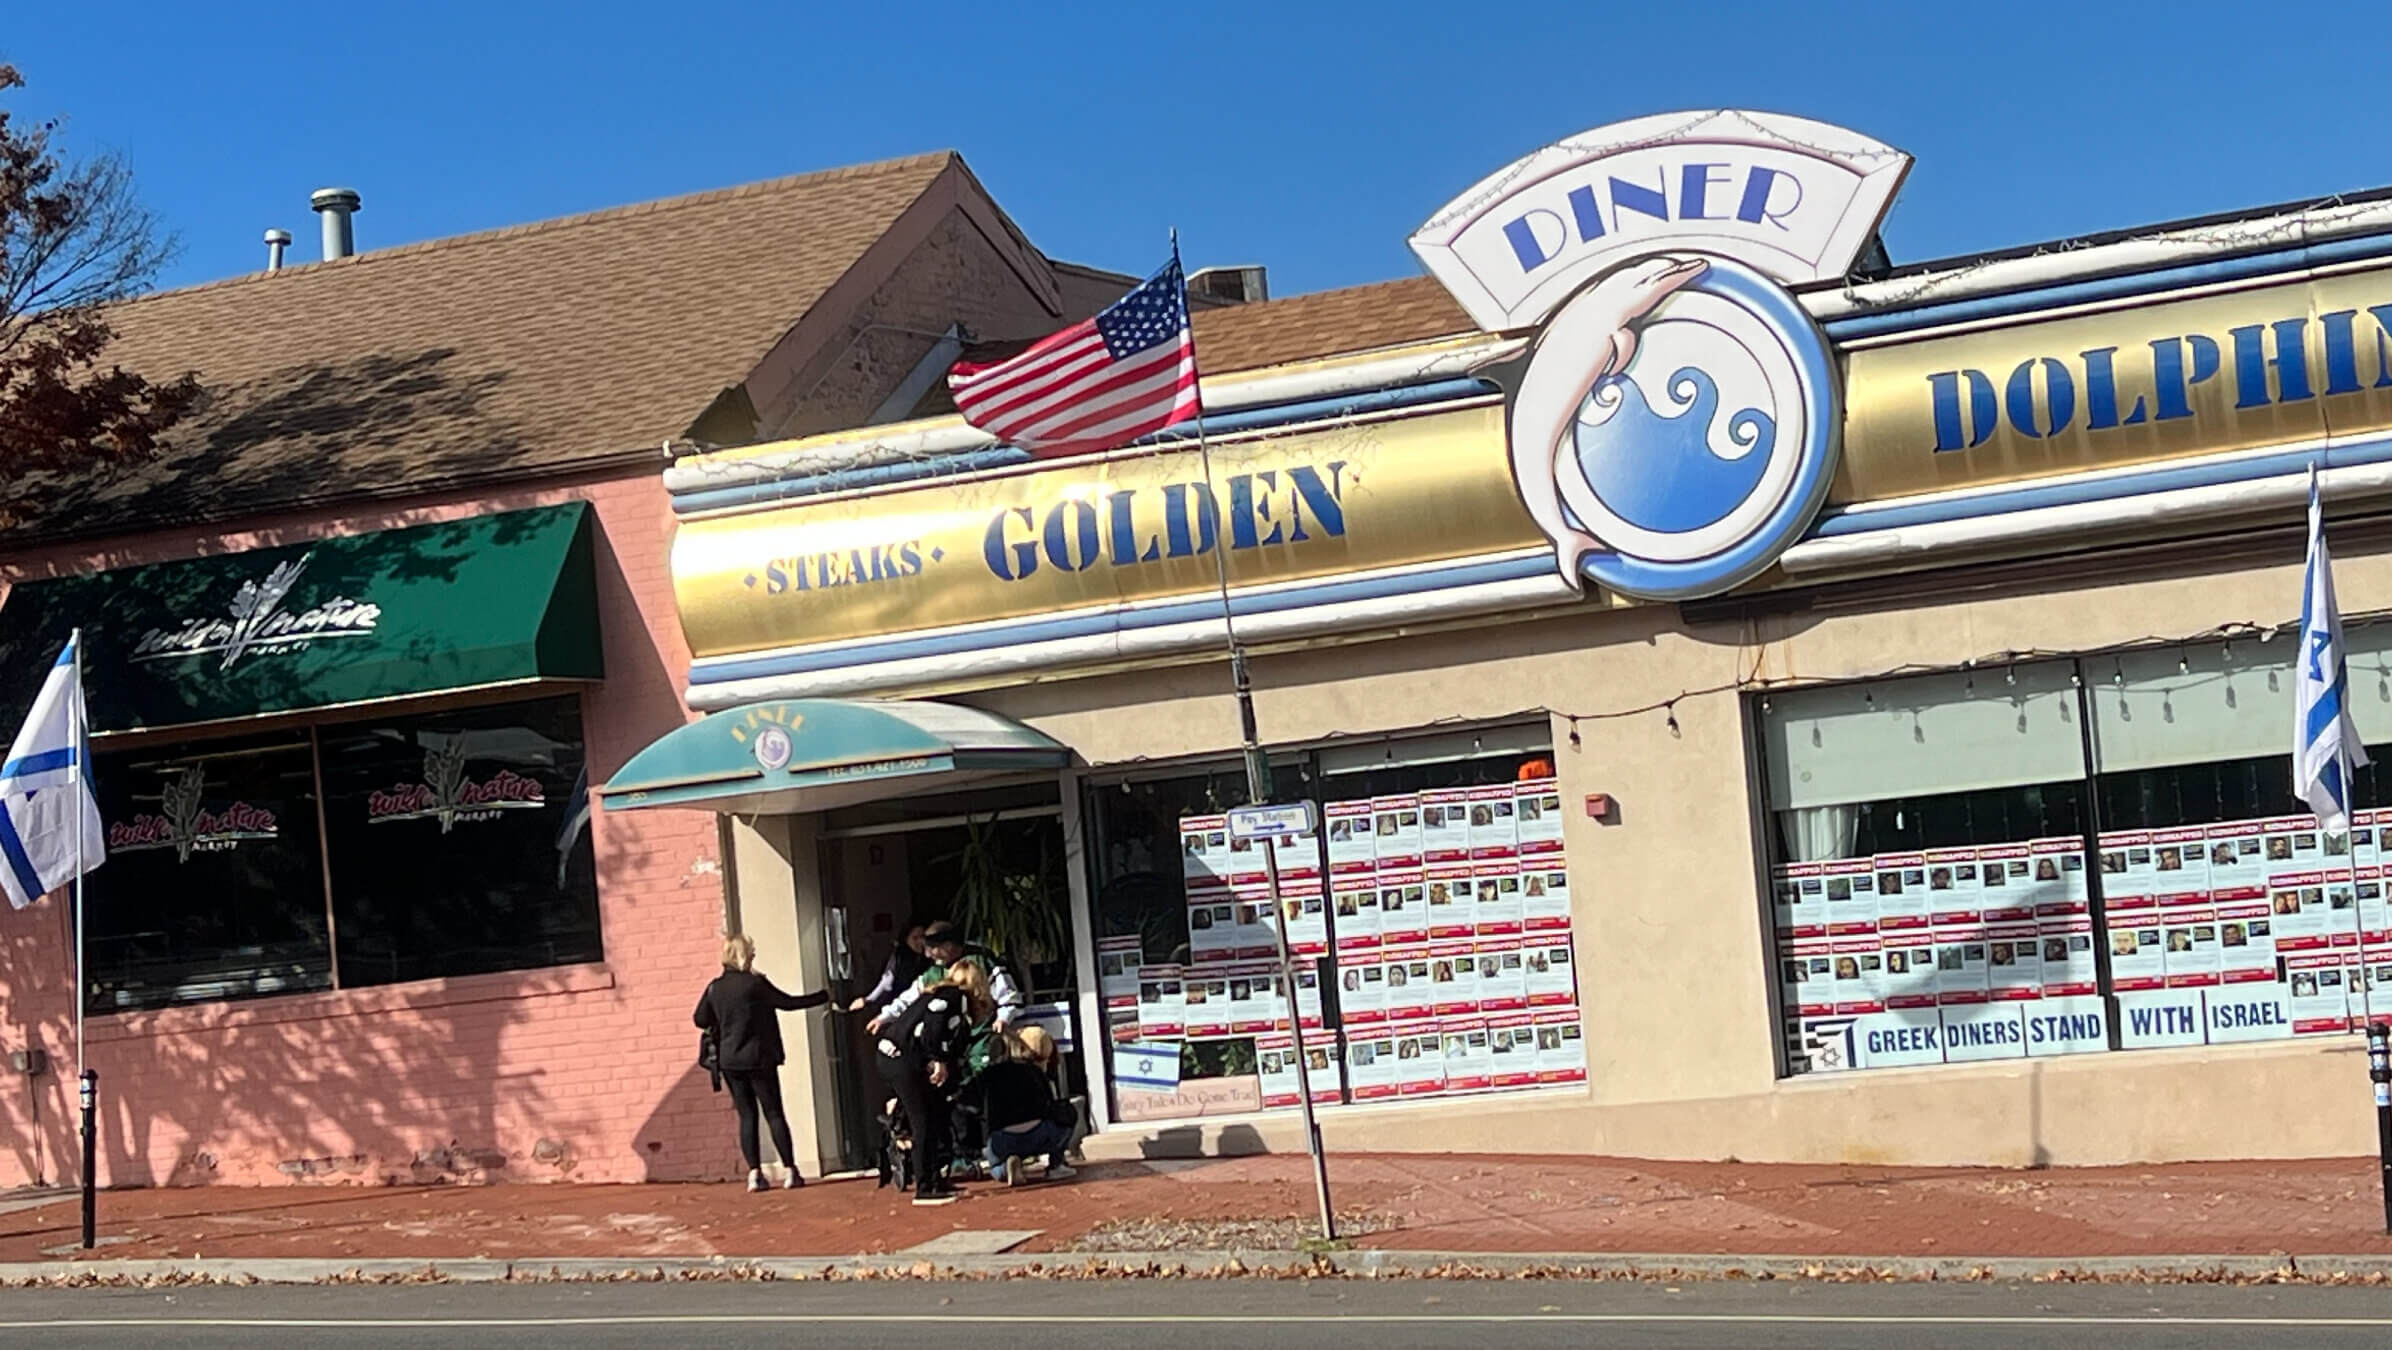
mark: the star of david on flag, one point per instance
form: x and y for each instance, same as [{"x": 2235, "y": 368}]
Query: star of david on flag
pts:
[
  {"x": 2326, "y": 749},
  {"x": 50, "y": 829}
]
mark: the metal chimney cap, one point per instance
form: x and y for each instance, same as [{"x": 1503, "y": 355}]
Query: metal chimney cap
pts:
[
  {"x": 278, "y": 236},
  {"x": 335, "y": 199}
]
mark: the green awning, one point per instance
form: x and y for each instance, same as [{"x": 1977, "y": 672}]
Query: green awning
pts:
[
  {"x": 486, "y": 601},
  {"x": 815, "y": 754}
]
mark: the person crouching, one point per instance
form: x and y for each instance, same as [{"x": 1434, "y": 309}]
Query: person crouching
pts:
[
  {"x": 921, "y": 1057},
  {"x": 1024, "y": 1118}
]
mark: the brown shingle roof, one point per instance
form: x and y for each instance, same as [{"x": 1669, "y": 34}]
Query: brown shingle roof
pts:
[
  {"x": 493, "y": 355},
  {"x": 1325, "y": 323},
  {"x": 1275, "y": 332}
]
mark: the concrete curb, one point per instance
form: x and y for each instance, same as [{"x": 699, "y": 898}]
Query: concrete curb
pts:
[{"x": 1149, "y": 1265}]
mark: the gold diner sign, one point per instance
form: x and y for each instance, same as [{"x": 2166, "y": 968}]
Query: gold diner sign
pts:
[
  {"x": 2134, "y": 382},
  {"x": 1097, "y": 534},
  {"x": 2139, "y": 382}
]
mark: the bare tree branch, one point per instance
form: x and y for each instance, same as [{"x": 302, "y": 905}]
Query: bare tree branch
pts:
[{"x": 74, "y": 238}]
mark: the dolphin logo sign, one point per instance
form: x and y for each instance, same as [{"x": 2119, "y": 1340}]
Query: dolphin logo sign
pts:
[
  {"x": 1674, "y": 427},
  {"x": 1675, "y": 422}
]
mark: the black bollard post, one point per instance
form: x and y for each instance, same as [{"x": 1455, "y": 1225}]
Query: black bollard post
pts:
[
  {"x": 91, "y": 1158},
  {"x": 2379, "y": 1069}
]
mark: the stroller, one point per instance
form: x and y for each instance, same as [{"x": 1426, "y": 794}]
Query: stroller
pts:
[{"x": 898, "y": 1158}]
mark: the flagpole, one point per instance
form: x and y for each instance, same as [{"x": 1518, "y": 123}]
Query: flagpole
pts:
[
  {"x": 2350, "y": 844},
  {"x": 1258, "y": 787},
  {"x": 87, "y": 1082},
  {"x": 75, "y": 782}
]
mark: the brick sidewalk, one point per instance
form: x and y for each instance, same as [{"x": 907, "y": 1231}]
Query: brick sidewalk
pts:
[{"x": 1418, "y": 1202}]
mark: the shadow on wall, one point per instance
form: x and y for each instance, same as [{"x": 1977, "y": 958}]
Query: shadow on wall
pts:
[
  {"x": 545, "y": 1087},
  {"x": 419, "y": 1096},
  {"x": 37, "y": 1113}
]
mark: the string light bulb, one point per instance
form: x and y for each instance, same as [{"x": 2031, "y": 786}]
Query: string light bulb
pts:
[{"x": 1674, "y": 729}]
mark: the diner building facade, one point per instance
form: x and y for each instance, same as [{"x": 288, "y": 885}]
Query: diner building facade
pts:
[{"x": 1952, "y": 822}]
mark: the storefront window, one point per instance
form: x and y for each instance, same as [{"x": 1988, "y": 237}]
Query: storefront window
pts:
[
  {"x": 1931, "y": 894},
  {"x": 445, "y": 844},
  {"x": 2230, "y": 916},
  {"x": 451, "y": 852},
  {"x": 1430, "y": 928},
  {"x": 214, "y": 882}
]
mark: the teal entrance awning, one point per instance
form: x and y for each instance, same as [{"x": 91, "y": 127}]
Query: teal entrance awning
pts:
[
  {"x": 492, "y": 600},
  {"x": 815, "y": 754}
]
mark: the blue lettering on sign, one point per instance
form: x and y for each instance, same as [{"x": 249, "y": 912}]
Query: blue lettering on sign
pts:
[
  {"x": 2166, "y": 1019},
  {"x": 1765, "y": 198},
  {"x": 2066, "y": 1029},
  {"x": 1971, "y": 1034},
  {"x": 2053, "y": 394},
  {"x": 838, "y": 567},
  {"x": 2235, "y": 1016},
  {"x": 1902, "y": 1041},
  {"x": 1134, "y": 527}
]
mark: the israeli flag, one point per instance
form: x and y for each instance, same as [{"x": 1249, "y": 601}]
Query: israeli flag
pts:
[
  {"x": 49, "y": 821},
  {"x": 2325, "y": 744},
  {"x": 577, "y": 819},
  {"x": 1149, "y": 1068}
]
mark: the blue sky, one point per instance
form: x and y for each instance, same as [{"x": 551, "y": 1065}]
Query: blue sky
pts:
[{"x": 1309, "y": 137}]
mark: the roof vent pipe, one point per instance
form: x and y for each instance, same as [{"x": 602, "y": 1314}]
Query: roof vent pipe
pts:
[
  {"x": 335, "y": 206},
  {"x": 276, "y": 242}
]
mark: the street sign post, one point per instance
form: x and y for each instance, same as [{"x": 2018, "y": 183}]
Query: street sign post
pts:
[{"x": 1266, "y": 824}]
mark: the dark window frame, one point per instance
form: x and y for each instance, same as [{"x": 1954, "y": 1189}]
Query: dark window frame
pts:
[{"x": 322, "y": 916}]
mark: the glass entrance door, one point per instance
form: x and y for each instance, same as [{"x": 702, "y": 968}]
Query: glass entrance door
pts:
[{"x": 999, "y": 877}]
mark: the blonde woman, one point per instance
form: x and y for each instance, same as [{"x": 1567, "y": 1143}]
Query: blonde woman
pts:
[
  {"x": 741, "y": 1011},
  {"x": 1024, "y": 1118},
  {"x": 924, "y": 1055}
]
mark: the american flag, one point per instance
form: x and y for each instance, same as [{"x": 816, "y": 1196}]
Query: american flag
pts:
[{"x": 1101, "y": 383}]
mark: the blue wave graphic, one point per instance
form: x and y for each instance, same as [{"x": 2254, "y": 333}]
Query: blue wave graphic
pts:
[{"x": 1656, "y": 471}]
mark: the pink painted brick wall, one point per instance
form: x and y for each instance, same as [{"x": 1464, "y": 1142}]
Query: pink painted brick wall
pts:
[{"x": 582, "y": 1073}]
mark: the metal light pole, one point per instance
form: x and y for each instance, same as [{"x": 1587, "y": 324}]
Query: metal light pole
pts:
[
  {"x": 2379, "y": 1070},
  {"x": 1258, "y": 781}
]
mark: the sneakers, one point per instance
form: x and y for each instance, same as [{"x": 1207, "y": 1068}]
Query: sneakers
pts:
[
  {"x": 756, "y": 1183},
  {"x": 945, "y": 1197},
  {"x": 792, "y": 1181},
  {"x": 1010, "y": 1171},
  {"x": 1061, "y": 1172}
]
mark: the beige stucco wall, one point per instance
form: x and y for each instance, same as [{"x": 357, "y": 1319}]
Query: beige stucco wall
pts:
[
  {"x": 777, "y": 900},
  {"x": 1671, "y": 938}
]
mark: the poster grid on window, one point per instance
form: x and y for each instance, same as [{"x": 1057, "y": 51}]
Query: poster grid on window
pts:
[
  {"x": 1429, "y": 921},
  {"x": 2067, "y": 856}
]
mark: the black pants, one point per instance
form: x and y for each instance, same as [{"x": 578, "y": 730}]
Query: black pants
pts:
[
  {"x": 754, "y": 1092},
  {"x": 925, "y": 1110}
]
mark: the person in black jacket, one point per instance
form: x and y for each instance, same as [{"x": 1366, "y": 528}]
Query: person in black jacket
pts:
[
  {"x": 921, "y": 1056},
  {"x": 1024, "y": 1119},
  {"x": 742, "y": 1011},
  {"x": 905, "y": 966}
]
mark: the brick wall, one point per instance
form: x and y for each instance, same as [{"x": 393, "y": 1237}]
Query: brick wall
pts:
[{"x": 583, "y": 1073}]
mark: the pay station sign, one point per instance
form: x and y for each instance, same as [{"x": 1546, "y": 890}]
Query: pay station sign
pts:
[{"x": 1251, "y": 823}]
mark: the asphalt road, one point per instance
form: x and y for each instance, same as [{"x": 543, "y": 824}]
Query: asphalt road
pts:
[{"x": 1168, "y": 1314}]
